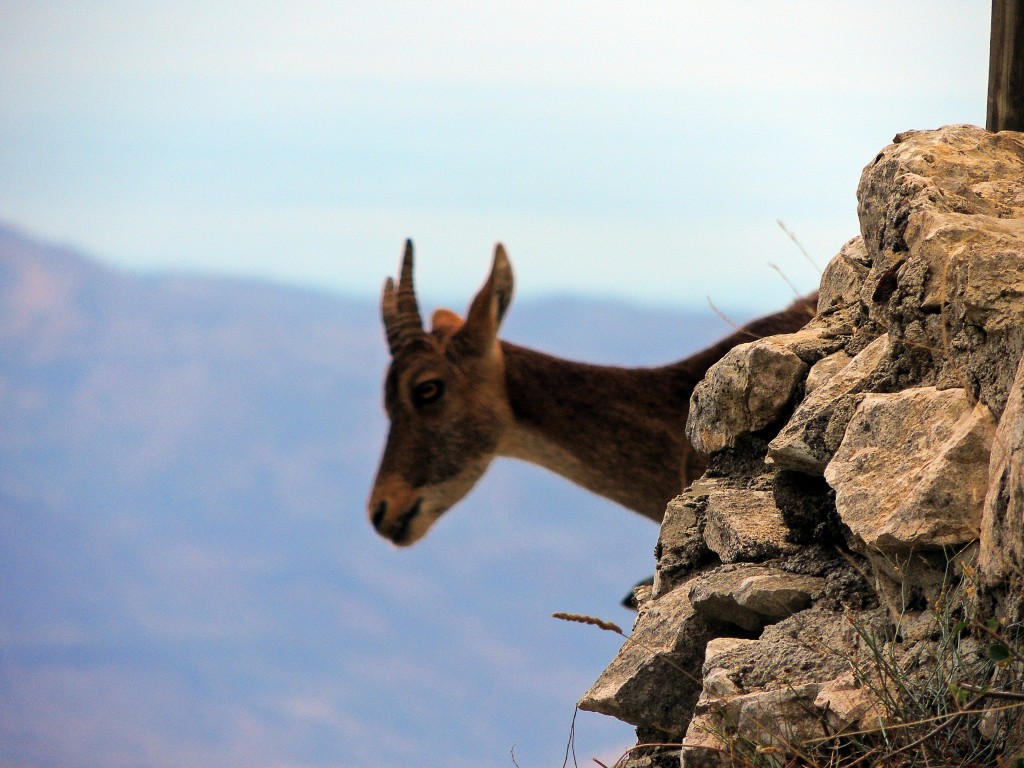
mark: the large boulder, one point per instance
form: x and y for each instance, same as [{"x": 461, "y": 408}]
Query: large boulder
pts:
[
  {"x": 911, "y": 471},
  {"x": 942, "y": 217}
]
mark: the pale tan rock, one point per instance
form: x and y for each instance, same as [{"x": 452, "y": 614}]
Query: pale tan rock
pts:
[
  {"x": 762, "y": 692},
  {"x": 956, "y": 169},
  {"x": 812, "y": 646},
  {"x": 909, "y": 583},
  {"x": 745, "y": 525},
  {"x": 681, "y": 547},
  {"x": 825, "y": 369},
  {"x": 912, "y": 468},
  {"x": 654, "y": 680},
  {"x": 718, "y": 684},
  {"x": 745, "y": 391},
  {"x": 943, "y": 226},
  {"x": 842, "y": 280},
  {"x": 848, "y": 705},
  {"x": 992, "y": 287},
  {"x": 808, "y": 440},
  {"x": 704, "y": 744},
  {"x": 929, "y": 303},
  {"x": 751, "y": 596},
  {"x": 780, "y": 718},
  {"x": 1001, "y": 553}
]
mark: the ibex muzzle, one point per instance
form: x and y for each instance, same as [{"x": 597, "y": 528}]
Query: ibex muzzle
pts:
[{"x": 445, "y": 396}]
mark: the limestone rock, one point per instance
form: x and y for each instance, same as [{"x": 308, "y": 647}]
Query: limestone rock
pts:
[
  {"x": 912, "y": 468},
  {"x": 721, "y": 735},
  {"x": 793, "y": 651},
  {"x": 825, "y": 369},
  {"x": 848, "y": 705},
  {"x": 1002, "y": 521},
  {"x": 744, "y": 524},
  {"x": 808, "y": 440},
  {"x": 763, "y": 691},
  {"x": 654, "y": 680},
  {"x": 957, "y": 169},
  {"x": 907, "y": 583},
  {"x": 705, "y": 739},
  {"x": 681, "y": 547},
  {"x": 747, "y": 390},
  {"x": 892, "y": 395},
  {"x": 843, "y": 278},
  {"x": 779, "y": 717},
  {"x": 942, "y": 217},
  {"x": 751, "y": 596}
]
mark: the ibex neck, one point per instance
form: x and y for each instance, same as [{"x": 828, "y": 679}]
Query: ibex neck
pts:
[{"x": 617, "y": 432}]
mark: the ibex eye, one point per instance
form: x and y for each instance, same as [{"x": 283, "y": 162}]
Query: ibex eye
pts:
[{"x": 427, "y": 392}]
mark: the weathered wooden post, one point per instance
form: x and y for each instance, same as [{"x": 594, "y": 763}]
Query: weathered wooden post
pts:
[{"x": 1006, "y": 67}]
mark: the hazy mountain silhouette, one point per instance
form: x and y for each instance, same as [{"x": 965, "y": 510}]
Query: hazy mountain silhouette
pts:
[{"x": 187, "y": 574}]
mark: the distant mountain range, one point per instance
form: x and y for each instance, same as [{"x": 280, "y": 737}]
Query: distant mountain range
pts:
[{"x": 187, "y": 576}]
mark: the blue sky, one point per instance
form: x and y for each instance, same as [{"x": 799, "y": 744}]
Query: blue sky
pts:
[{"x": 642, "y": 151}]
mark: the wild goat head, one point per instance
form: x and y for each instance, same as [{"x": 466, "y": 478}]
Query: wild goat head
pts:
[{"x": 445, "y": 396}]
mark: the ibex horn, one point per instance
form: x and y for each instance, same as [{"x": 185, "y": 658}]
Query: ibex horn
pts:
[{"x": 401, "y": 314}]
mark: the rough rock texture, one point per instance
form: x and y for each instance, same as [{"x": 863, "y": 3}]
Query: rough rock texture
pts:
[
  {"x": 808, "y": 440},
  {"x": 825, "y": 369},
  {"x": 842, "y": 279},
  {"x": 848, "y": 705},
  {"x": 912, "y": 469},
  {"x": 761, "y": 378},
  {"x": 864, "y": 476},
  {"x": 762, "y": 687},
  {"x": 663, "y": 653},
  {"x": 942, "y": 216},
  {"x": 744, "y": 525},
  {"x": 752, "y": 596},
  {"x": 1002, "y": 523}
]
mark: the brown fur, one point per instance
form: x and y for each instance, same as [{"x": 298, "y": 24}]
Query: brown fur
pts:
[{"x": 618, "y": 432}]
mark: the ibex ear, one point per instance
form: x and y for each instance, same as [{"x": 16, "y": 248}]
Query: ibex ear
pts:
[
  {"x": 445, "y": 322},
  {"x": 480, "y": 331}
]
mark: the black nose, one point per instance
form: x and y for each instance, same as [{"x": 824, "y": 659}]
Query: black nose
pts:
[
  {"x": 378, "y": 515},
  {"x": 400, "y": 535}
]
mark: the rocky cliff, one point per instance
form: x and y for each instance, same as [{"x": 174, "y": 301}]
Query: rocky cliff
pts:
[{"x": 846, "y": 579}]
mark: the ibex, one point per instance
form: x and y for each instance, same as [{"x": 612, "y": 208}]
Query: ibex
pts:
[{"x": 458, "y": 396}]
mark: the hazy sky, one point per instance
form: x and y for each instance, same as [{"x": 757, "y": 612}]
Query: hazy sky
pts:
[{"x": 641, "y": 150}]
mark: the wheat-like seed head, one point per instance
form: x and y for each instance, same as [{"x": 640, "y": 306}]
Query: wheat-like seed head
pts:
[{"x": 593, "y": 621}]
